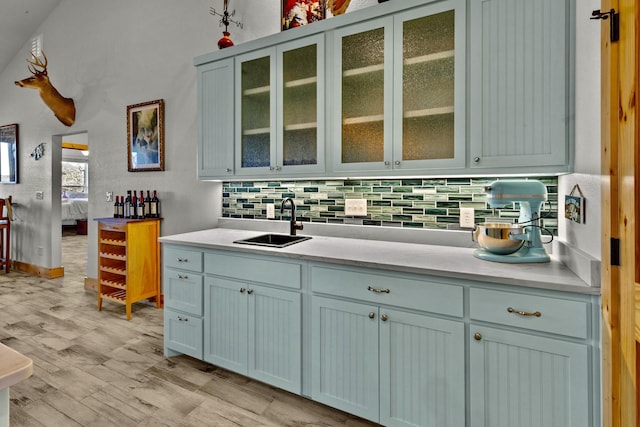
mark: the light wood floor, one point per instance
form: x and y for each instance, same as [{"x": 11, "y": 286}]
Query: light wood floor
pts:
[{"x": 98, "y": 369}]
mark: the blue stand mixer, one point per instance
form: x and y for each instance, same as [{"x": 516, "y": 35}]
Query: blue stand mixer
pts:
[{"x": 513, "y": 243}]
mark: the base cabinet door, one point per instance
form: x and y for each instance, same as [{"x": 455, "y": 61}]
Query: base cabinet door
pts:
[
  {"x": 182, "y": 334},
  {"x": 255, "y": 331},
  {"x": 422, "y": 380},
  {"x": 517, "y": 379},
  {"x": 345, "y": 356}
]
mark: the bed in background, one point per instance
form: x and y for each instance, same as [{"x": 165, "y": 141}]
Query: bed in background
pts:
[{"x": 75, "y": 209}]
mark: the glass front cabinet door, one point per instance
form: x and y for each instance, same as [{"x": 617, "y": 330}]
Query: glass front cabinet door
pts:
[
  {"x": 399, "y": 100},
  {"x": 280, "y": 110}
]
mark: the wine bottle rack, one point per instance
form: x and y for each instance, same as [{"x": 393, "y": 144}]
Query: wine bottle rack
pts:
[{"x": 128, "y": 261}]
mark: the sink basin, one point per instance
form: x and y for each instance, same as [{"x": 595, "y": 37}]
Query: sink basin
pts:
[{"x": 273, "y": 240}]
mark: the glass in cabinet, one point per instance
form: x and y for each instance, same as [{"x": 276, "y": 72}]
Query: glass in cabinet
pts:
[
  {"x": 401, "y": 91},
  {"x": 281, "y": 108}
]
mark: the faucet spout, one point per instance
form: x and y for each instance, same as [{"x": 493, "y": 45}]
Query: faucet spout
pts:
[{"x": 293, "y": 224}]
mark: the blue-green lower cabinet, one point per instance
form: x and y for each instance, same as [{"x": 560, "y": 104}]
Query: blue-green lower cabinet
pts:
[
  {"x": 518, "y": 379},
  {"x": 386, "y": 365},
  {"x": 254, "y": 330}
]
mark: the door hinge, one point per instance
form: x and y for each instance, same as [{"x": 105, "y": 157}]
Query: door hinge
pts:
[
  {"x": 615, "y": 251},
  {"x": 614, "y": 25}
]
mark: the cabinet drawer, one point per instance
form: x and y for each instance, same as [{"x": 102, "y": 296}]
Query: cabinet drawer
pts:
[
  {"x": 183, "y": 291},
  {"x": 184, "y": 259},
  {"x": 558, "y": 316},
  {"x": 403, "y": 292},
  {"x": 274, "y": 272},
  {"x": 183, "y": 333}
]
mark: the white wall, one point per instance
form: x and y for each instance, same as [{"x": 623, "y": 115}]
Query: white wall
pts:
[
  {"x": 585, "y": 237},
  {"x": 107, "y": 55}
]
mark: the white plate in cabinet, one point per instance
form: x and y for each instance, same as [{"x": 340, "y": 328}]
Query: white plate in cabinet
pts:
[
  {"x": 554, "y": 315},
  {"x": 182, "y": 334},
  {"x": 183, "y": 291},
  {"x": 183, "y": 259},
  {"x": 381, "y": 288}
]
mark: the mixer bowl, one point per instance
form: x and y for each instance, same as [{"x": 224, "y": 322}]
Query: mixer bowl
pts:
[{"x": 494, "y": 237}]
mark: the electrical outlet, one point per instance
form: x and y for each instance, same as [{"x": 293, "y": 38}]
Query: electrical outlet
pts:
[
  {"x": 271, "y": 211},
  {"x": 467, "y": 218},
  {"x": 109, "y": 196},
  {"x": 355, "y": 207},
  {"x": 39, "y": 195}
]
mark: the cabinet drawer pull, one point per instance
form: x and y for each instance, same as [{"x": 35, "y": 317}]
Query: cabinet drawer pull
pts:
[
  {"x": 477, "y": 336},
  {"x": 182, "y": 276},
  {"x": 384, "y": 317},
  {"x": 524, "y": 313},
  {"x": 372, "y": 315},
  {"x": 379, "y": 291},
  {"x": 183, "y": 259},
  {"x": 242, "y": 290},
  {"x": 249, "y": 291},
  {"x": 182, "y": 319}
]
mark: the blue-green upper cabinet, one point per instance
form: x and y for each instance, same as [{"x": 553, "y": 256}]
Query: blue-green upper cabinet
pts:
[
  {"x": 399, "y": 92},
  {"x": 280, "y": 109},
  {"x": 215, "y": 119},
  {"x": 521, "y": 67}
]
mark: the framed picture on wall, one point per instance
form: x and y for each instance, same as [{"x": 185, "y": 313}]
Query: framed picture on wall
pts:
[
  {"x": 9, "y": 154},
  {"x": 296, "y": 13},
  {"x": 145, "y": 136}
]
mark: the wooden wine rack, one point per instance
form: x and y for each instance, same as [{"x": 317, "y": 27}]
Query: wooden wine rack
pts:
[{"x": 128, "y": 261}]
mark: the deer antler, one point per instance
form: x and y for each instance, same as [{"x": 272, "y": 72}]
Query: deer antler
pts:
[{"x": 38, "y": 63}]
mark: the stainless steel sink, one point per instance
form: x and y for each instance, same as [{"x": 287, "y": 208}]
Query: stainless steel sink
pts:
[{"x": 273, "y": 240}]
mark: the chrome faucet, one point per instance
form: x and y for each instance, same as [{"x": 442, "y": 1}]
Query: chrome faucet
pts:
[{"x": 293, "y": 224}]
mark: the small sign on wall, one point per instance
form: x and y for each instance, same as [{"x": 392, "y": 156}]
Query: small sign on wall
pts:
[{"x": 574, "y": 205}]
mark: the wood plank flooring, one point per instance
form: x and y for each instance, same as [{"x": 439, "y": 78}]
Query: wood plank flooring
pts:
[{"x": 96, "y": 368}]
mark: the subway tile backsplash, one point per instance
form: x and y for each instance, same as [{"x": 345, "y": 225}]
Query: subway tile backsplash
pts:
[{"x": 411, "y": 203}]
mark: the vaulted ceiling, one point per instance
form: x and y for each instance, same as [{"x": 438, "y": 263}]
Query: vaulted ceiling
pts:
[{"x": 19, "y": 23}]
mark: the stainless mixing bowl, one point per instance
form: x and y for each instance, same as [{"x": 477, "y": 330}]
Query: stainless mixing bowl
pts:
[{"x": 494, "y": 237}]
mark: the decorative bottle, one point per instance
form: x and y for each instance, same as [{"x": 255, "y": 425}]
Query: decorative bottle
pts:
[
  {"x": 116, "y": 207},
  {"x": 127, "y": 205},
  {"x": 154, "y": 208},
  {"x": 147, "y": 204},
  {"x": 132, "y": 207},
  {"x": 141, "y": 206}
]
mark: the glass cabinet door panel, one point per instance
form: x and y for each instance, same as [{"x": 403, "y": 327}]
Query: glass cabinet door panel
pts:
[
  {"x": 300, "y": 106},
  {"x": 428, "y": 91},
  {"x": 256, "y": 112},
  {"x": 363, "y": 89}
]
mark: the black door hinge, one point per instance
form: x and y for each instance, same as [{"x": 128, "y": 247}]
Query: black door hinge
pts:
[
  {"x": 615, "y": 251},
  {"x": 614, "y": 26}
]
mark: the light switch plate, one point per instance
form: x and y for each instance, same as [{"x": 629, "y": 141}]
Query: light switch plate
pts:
[
  {"x": 467, "y": 217},
  {"x": 355, "y": 207},
  {"x": 271, "y": 211}
]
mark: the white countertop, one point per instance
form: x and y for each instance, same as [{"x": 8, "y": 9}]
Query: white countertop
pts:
[
  {"x": 14, "y": 367},
  {"x": 445, "y": 261}
]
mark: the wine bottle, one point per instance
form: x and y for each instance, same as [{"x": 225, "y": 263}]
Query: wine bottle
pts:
[
  {"x": 121, "y": 207},
  {"x": 132, "y": 207},
  {"x": 116, "y": 207},
  {"x": 147, "y": 204},
  {"x": 127, "y": 205},
  {"x": 141, "y": 206},
  {"x": 154, "y": 209}
]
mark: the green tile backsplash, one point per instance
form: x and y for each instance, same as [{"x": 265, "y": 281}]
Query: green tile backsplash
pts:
[{"x": 410, "y": 203}]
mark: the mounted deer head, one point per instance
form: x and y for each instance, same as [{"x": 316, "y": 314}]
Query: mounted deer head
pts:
[{"x": 63, "y": 108}]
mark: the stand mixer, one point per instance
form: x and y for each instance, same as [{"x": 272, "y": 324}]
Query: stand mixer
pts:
[{"x": 530, "y": 195}]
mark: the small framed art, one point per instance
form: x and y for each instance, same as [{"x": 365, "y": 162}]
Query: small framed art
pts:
[{"x": 145, "y": 136}]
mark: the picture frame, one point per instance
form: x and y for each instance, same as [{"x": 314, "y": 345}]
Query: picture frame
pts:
[
  {"x": 145, "y": 136},
  {"x": 9, "y": 136},
  {"x": 295, "y": 13},
  {"x": 574, "y": 208}
]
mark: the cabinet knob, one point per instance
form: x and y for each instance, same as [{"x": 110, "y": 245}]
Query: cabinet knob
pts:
[
  {"x": 384, "y": 317},
  {"x": 387, "y": 163},
  {"x": 278, "y": 168},
  {"x": 249, "y": 291},
  {"x": 242, "y": 290},
  {"x": 228, "y": 170},
  {"x": 397, "y": 162},
  {"x": 372, "y": 315},
  {"x": 476, "y": 160},
  {"x": 477, "y": 336},
  {"x": 182, "y": 276}
]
